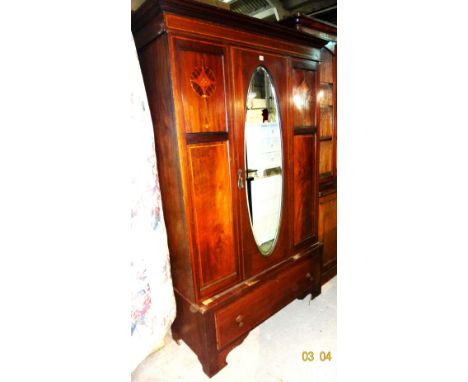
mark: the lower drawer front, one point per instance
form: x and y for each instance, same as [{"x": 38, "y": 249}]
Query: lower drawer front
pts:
[{"x": 255, "y": 307}]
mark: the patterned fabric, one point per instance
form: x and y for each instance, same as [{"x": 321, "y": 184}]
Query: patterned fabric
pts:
[{"x": 152, "y": 297}]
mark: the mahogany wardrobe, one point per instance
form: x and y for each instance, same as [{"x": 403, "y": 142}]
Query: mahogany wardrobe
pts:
[{"x": 234, "y": 106}]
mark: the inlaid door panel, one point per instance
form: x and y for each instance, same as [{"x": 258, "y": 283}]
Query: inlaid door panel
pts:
[
  {"x": 212, "y": 211},
  {"x": 201, "y": 82}
]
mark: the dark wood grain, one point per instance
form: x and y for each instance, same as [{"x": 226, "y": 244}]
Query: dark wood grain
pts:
[
  {"x": 304, "y": 130},
  {"x": 327, "y": 117},
  {"x": 212, "y": 213},
  {"x": 209, "y": 330},
  {"x": 202, "y": 112},
  {"x": 311, "y": 26},
  {"x": 214, "y": 15},
  {"x": 304, "y": 96},
  {"x": 239, "y": 317},
  {"x": 326, "y": 122},
  {"x": 198, "y": 116},
  {"x": 305, "y": 188},
  {"x": 155, "y": 69},
  {"x": 328, "y": 231},
  {"x": 193, "y": 138},
  {"x": 245, "y": 62}
]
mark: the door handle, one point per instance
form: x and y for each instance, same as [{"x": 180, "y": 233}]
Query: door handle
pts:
[{"x": 240, "y": 182}]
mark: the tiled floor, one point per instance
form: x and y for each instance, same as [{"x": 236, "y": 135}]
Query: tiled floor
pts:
[{"x": 271, "y": 353}]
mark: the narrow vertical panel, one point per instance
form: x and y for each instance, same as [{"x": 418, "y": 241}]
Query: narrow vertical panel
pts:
[
  {"x": 326, "y": 122},
  {"x": 155, "y": 68},
  {"x": 303, "y": 97},
  {"x": 328, "y": 228},
  {"x": 326, "y": 158},
  {"x": 326, "y": 67},
  {"x": 201, "y": 81},
  {"x": 213, "y": 215},
  {"x": 304, "y": 188},
  {"x": 326, "y": 95}
]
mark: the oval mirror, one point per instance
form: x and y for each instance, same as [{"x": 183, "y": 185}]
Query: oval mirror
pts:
[{"x": 263, "y": 160}]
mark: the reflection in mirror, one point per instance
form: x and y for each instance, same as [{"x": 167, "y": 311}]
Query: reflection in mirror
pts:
[{"x": 263, "y": 160}]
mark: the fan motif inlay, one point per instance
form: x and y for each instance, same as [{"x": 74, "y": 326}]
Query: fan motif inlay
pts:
[{"x": 203, "y": 81}]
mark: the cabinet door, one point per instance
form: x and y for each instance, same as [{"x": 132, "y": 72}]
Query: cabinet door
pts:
[
  {"x": 305, "y": 192},
  {"x": 327, "y": 118},
  {"x": 202, "y": 99},
  {"x": 328, "y": 230},
  {"x": 262, "y": 143}
]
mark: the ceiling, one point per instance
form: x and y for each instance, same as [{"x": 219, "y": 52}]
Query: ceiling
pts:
[{"x": 273, "y": 10}]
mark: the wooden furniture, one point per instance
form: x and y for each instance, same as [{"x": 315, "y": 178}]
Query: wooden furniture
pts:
[
  {"x": 328, "y": 134},
  {"x": 233, "y": 103}
]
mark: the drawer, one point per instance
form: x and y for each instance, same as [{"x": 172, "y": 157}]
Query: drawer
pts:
[{"x": 266, "y": 299}]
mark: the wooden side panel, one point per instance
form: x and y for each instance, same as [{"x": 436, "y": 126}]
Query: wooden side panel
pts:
[
  {"x": 156, "y": 74},
  {"x": 326, "y": 122},
  {"x": 213, "y": 216},
  {"x": 327, "y": 119},
  {"x": 326, "y": 158},
  {"x": 328, "y": 229},
  {"x": 326, "y": 67},
  {"x": 201, "y": 78},
  {"x": 304, "y": 188},
  {"x": 304, "y": 100}
]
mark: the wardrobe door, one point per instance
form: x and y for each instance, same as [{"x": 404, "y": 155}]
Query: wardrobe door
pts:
[
  {"x": 305, "y": 159},
  {"x": 328, "y": 230},
  {"x": 202, "y": 103},
  {"x": 261, "y": 133}
]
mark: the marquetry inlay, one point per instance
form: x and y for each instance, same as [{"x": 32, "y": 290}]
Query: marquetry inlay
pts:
[{"x": 203, "y": 81}]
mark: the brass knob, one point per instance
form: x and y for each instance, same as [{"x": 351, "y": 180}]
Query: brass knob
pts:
[
  {"x": 309, "y": 276},
  {"x": 239, "y": 321}
]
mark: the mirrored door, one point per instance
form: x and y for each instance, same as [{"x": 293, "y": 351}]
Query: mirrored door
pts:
[{"x": 262, "y": 146}]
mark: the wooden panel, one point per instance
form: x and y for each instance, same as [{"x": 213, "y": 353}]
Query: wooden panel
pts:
[
  {"x": 328, "y": 229},
  {"x": 310, "y": 25},
  {"x": 201, "y": 81},
  {"x": 255, "y": 307},
  {"x": 192, "y": 138},
  {"x": 156, "y": 74},
  {"x": 304, "y": 130},
  {"x": 327, "y": 119},
  {"x": 304, "y": 99},
  {"x": 326, "y": 67},
  {"x": 213, "y": 216},
  {"x": 326, "y": 158},
  {"x": 244, "y": 64},
  {"x": 304, "y": 188},
  {"x": 326, "y": 122},
  {"x": 179, "y": 24},
  {"x": 326, "y": 95}
]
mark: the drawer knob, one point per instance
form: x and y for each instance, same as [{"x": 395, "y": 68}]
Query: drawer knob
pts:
[
  {"x": 239, "y": 321},
  {"x": 309, "y": 276}
]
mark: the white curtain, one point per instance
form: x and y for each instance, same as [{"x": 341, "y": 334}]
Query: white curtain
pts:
[{"x": 152, "y": 296}]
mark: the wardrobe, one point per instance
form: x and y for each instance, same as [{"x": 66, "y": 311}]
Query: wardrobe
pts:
[
  {"x": 327, "y": 125},
  {"x": 234, "y": 106}
]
